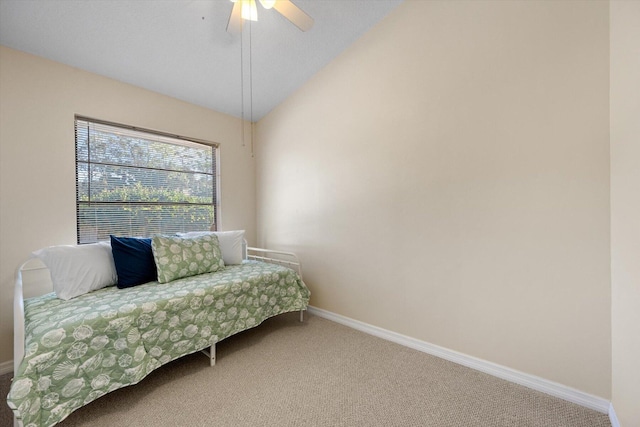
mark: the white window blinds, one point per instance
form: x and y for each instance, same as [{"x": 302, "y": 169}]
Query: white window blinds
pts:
[{"x": 133, "y": 182}]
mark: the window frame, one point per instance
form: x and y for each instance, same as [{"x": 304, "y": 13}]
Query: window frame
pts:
[{"x": 215, "y": 173}]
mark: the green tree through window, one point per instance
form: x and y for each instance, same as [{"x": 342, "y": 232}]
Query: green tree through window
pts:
[{"x": 133, "y": 182}]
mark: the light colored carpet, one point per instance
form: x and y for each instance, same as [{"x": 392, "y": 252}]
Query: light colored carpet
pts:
[{"x": 319, "y": 373}]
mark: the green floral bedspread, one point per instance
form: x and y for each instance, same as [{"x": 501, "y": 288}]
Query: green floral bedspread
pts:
[{"x": 81, "y": 349}]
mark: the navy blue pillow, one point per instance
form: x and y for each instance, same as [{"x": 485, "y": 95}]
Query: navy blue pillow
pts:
[{"x": 134, "y": 261}]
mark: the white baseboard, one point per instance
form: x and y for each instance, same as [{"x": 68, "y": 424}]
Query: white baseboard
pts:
[
  {"x": 6, "y": 367},
  {"x": 613, "y": 418},
  {"x": 531, "y": 381},
  {"x": 536, "y": 383}
]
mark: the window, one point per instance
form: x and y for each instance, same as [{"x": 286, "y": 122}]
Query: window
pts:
[{"x": 135, "y": 182}]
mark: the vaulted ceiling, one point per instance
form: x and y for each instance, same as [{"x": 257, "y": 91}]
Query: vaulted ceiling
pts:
[{"x": 181, "y": 48}]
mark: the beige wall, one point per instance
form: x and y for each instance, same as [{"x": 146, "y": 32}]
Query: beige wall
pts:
[
  {"x": 38, "y": 100},
  {"x": 447, "y": 178},
  {"x": 625, "y": 209}
]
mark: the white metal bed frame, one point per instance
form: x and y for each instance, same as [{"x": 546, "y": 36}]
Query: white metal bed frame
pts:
[{"x": 287, "y": 259}]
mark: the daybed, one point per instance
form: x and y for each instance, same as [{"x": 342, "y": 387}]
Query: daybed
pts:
[{"x": 69, "y": 353}]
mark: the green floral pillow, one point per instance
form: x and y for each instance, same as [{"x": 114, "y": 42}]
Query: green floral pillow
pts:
[{"x": 178, "y": 257}]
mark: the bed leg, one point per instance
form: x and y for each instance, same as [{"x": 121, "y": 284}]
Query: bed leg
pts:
[
  {"x": 301, "y": 315},
  {"x": 211, "y": 354}
]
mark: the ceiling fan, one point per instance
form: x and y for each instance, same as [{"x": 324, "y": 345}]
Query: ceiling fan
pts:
[{"x": 247, "y": 10}]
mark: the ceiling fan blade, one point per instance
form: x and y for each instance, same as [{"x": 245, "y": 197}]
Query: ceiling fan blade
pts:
[
  {"x": 294, "y": 14},
  {"x": 234, "y": 26}
]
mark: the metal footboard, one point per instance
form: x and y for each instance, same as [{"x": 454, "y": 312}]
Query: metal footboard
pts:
[
  {"x": 287, "y": 259},
  {"x": 35, "y": 288}
]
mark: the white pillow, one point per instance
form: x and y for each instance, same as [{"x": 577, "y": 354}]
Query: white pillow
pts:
[
  {"x": 77, "y": 270},
  {"x": 230, "y": 243}
]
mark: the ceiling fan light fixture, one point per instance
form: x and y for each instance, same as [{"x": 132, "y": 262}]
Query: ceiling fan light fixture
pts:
[
  {"x": 246, "y": 10},
  {"x": 267, "y": 4},
  {"x": 249, "y": 10}
]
